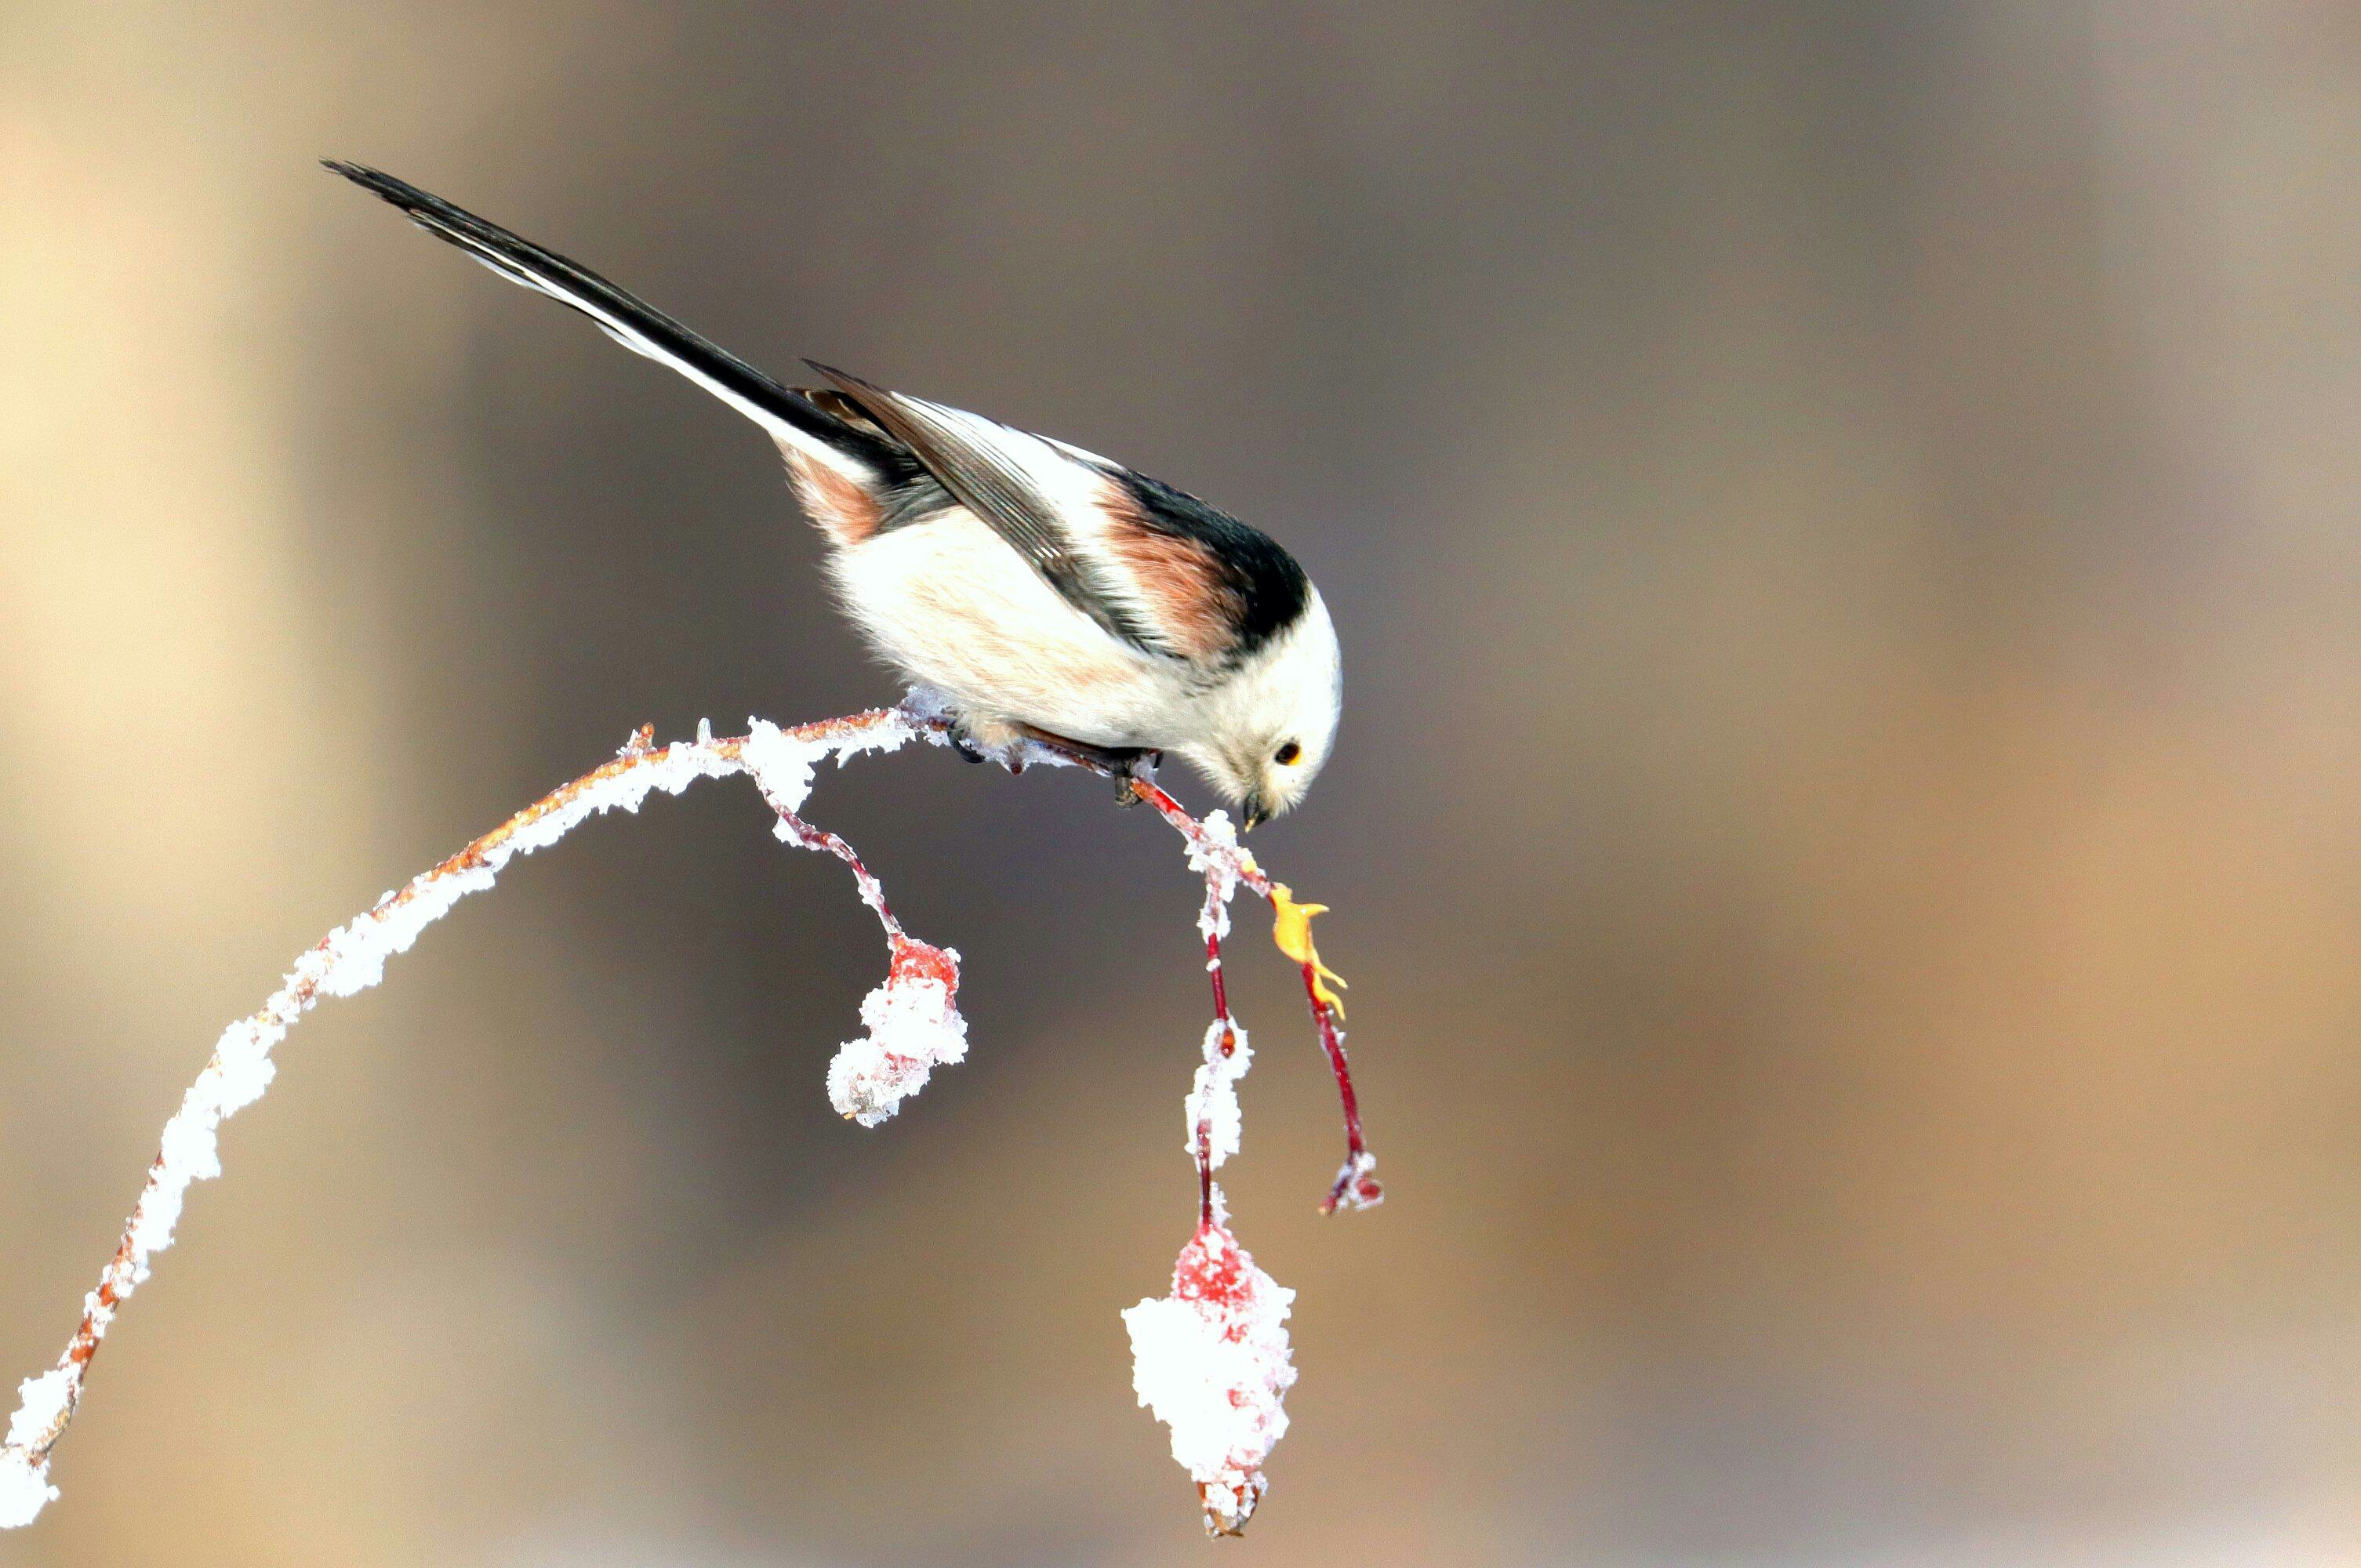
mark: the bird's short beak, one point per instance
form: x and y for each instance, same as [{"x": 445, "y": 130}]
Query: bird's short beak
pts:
[{"x": 1252, "y": 813}]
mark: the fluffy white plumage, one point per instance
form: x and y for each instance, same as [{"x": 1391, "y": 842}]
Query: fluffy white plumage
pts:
[
  {"x": 1045, "y": 588},
  {"x": 956, "y": 610}
]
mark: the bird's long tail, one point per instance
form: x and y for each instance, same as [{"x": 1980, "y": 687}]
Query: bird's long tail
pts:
[{"x": 793, "y": 419}]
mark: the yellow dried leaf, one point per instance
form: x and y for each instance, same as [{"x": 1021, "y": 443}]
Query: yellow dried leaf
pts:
[{"x": 1291, "y": 927}]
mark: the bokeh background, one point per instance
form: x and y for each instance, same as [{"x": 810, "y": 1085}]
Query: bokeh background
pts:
[{"x": 1842, "y": 518}]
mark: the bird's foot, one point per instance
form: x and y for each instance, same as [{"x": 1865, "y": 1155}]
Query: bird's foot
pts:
[
  {"x": 964, "y": 743},
  {"x": 1121, "y": 764},
  {"x": 1141, "y": 768},
  {"x": 985, "y": 740}
]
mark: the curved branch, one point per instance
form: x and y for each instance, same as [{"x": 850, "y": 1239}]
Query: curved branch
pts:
[{"x": 912, "y": 1021}]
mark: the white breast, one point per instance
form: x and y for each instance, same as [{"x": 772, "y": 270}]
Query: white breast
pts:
[{"x": 948, "y": 603}]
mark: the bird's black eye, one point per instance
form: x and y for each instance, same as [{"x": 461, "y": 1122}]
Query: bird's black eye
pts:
[{"x": 1288, "y": 753}]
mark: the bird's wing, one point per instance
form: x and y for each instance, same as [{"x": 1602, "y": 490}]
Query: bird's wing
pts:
[
  {"x": 1157, "y": 569},
  {"x": 1153, "y": 567},
  {"x": 1037, "y": 498}
]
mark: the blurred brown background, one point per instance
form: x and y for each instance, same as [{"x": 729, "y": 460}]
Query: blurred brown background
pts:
[{"x": 1842, "y": 520}]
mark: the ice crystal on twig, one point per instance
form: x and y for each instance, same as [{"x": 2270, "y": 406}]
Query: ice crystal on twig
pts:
[
  {"x": 25, "y": 1486},
  {"x": 1212, "y": 1361},
  {"x": 913, "y": 1026},
  {"x": 1215, "y": 1121}
]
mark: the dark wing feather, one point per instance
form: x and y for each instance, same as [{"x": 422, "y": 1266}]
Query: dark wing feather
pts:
[
  {"x": 1260, "y": 587},
  {"x": 982, "y": 477}
]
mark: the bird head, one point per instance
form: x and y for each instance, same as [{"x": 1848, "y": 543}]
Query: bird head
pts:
[{"x": 1271, "y": 724}]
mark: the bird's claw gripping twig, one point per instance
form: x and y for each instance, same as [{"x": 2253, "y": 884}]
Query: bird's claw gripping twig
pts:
[{"x": 1140, "y": 768}]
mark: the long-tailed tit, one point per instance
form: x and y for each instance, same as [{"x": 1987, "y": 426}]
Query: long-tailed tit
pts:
[{"x": 1044, "y": 589}]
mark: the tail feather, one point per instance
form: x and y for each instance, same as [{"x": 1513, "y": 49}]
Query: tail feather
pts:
[{"x": 793, "y": 419}]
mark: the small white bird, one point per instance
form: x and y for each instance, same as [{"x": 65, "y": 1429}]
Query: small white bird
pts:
[{"x": 1045, "y": 589}]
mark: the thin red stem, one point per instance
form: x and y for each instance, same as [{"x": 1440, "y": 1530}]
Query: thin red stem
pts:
[
  {"x": 1354, "y": 1183},
  {"x": 1229, "y": 1044},
  {"x": 1214, "y": 966},
  {"x": 872, "y": 892},
  {"x": 1204, "y": 1174}
]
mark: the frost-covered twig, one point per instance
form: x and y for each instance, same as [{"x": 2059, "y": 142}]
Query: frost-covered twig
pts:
[
  {"x": 1211, "y": 1359},
  {"x": 1215, "y": 852},
  {"x": 911, "y": 1020}
]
